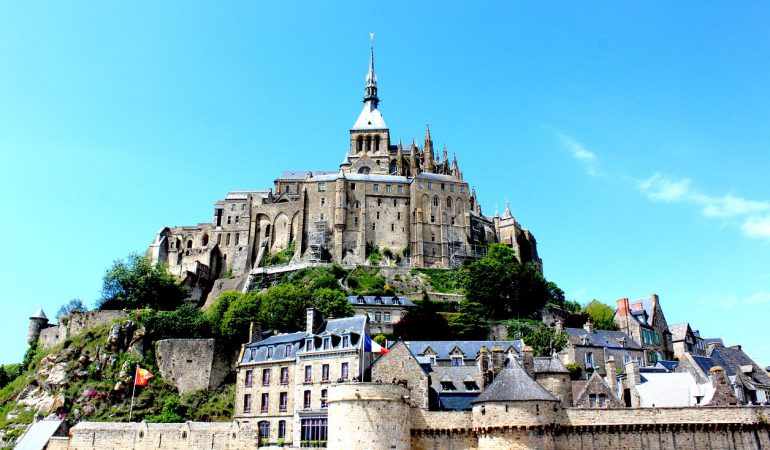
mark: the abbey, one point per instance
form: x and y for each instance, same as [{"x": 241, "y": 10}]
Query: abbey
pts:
[{"x": 406, "y": 199}]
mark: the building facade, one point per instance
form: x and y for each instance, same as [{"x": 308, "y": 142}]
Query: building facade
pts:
[
  {"x": 410, "y": 200},
  {"x": 644, "y": 322},
  {"x": 383, "y": 311}
]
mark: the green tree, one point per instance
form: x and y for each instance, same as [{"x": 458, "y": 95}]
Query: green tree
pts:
[
  {"x": 136, "y": 283},
  {"x": 555, "y": 294},
  {"x": 543, "y": 340},
  {"x": 284, "y": 307},
  {"x": 423, "y": 323},
  {"x": 215, "y": 314},
  {"x": 469, "y": 323},
  {"x": 71, "y": 306},
  {"x": 572, "y": 306},
  {"x": 332, "y": 303},
  {"x": 504, "y": 286},
  {"x": 242, "y": 310},
  {"x": 381, "y": 339},
  {"x": 185, "y": 322},
  {"x": 602, "y": 316}
]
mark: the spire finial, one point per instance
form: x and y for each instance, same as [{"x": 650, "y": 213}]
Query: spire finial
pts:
[{"x": 371, "y": 78}]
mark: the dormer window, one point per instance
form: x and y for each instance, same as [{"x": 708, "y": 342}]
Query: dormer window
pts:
[
  {"x": 447, "y": 386},
  {"x": 327, "y": 343},
  {"x": 457, "y": 360},
  {"x": 584, "y": 339},
  {"x": 471, "y": 385},
  {"x": 360, "y": 299},
  {"x": 309, "y": 344},
  {"x": 253, "y": 354},
  {"x": 378, "y": 300},
  {"x": 622, "y": 342},
  {"x": 396, "y": 301},
  {"x": 432, "y": 359},
  {"x": 346, "y": 341},
  {"x": 287, "y": 350},
  {"x": 270, "y": 352}
]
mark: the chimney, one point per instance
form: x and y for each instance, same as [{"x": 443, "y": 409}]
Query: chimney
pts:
[
  {"x": 255, "y": 332},
  {"x": 498, "y": 359},
  {"x": 483, "y": 359},
  {"x": 736, "y": 347},
  {"x": 528, "y": 359},
  {"x": 655, "y": 299},
  {"x": 313, "y": 321},
  {"x": 558, "y": 325},
  {"x": 588, "y": 326},
  {"x": 632, "y": 372},
  {"x": 612, "y": 375},
  {"x": 723, "y": 391},
  {"x": 622, "y": 305}
]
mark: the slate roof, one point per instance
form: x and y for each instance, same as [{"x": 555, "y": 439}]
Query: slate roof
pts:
[
  {"x": 456, "y": 402},
  {"x": 257, "y": 351},
  {"x": 299, "y": 175},
  {"x": 457, "y": 376},
  {"x": 678, "y": 331},
  {"x": 39, "y": 314},
  {"x": 370, "y": 118},
  {"x": 713, "y": 341},
  {"x": 668, "y": 365},
  {"x": 512, "y": 384},
  {"x": 549, "y": 364},
  {"x": 436, "y": 176},
  {"x": 731, "y": 359},
  {"x": 372, "y": 300},
  {"x": 470, "y": 349},
  {"x": 601, "y": 338},
  {"x": 381, "y": 178},
  {"x": 36, "y": 437},
  {"x": 704, "y": 363},
  {"x": 244, "y": 195},
  {"x": 355, "y": 324}
]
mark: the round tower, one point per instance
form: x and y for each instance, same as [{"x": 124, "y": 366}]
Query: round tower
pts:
[
  {"x": 37, "y": 323},
  {"x": 369, "y": 415}
]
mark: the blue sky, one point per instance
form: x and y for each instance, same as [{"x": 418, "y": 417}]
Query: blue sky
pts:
[{"x": 630, "y": 137}]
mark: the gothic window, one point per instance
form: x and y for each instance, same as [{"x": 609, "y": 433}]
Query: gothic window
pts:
[
  {"x": 227, "y": 240},
  {"x": 359, "y": 144},
  {"x": 393, "y": 169},
  {"x": 449, "y": 202},
  {"x": 237, "y": 238},
  {"x": 435, "y": 200},
  {"x": 368, "y": 143},
  {"x": 364, "y": 170}
]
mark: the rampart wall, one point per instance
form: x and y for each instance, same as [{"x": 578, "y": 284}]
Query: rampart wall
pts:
[
  {"x": 193, "y": 364},
  {"x": 77, "y": 323}
]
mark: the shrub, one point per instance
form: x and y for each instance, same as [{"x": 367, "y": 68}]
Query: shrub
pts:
[{"x": 575, "y": 371}]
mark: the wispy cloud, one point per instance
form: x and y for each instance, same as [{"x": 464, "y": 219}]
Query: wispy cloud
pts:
[
  {"x": 753, "y": 213},
  {"x": 728, "y": 302},
  {"x": 582, "y": 154}
]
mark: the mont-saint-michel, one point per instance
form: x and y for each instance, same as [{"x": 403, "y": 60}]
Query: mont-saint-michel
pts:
[{"x": 372, "y": 303}]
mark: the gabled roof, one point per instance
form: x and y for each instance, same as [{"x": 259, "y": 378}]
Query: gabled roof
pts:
[
  {"x": 667, "y": 365},
  {"x": 470, "y": 349},
  {"x": 731, "y": 359},
  {"x": 514, "y": 384},
  {"x": 601, "y": 338},
  {"x": 679, "y": 331}
]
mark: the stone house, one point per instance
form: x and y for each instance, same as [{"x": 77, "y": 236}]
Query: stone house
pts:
[
  {"x": 595, "y": 393},
  {"x": 686, "y": 340},
  {"x": 643, "y": 321},
  {"x": 383, "y": 311},
  {"x": 750, "y": 381},
  {"x": 592, "y": 349},
  {"x": 410, "y": 200},
  {"x": 283, "y": 381}
]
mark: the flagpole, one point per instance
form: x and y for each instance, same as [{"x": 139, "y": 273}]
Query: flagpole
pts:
[{"x": 133, "y": 391}]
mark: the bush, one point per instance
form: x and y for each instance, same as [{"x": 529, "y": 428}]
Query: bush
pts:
[
  {"x": 136, "y": 283},
  {"x": 332, "y": 303},
  {"x": 282, "y": 257},
  {"x": 381, "y": 339},
  {"x": 366, "y": 281},
  {"x": 243, "y": 309},
  {"x": 183, "y": 322},
  {"x": 575, "y": 371}
]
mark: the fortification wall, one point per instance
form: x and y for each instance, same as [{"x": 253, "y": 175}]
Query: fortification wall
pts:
[
  {"x": 77, "y": 323},
  {"x": 192, "y": 364},
  {"x": 630, "y": 416},
  {"x": 368, "y": 415}
]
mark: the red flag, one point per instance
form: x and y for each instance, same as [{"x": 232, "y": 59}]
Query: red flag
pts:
[{"x": 142, "y": 376}]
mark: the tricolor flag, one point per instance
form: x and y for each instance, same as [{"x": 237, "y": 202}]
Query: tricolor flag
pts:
[
  {"x": 373, "y": 347},
  {"x": 142, "y": 376}
]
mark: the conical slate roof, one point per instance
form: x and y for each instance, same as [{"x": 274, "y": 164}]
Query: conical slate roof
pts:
[
  {"x": 514, "y": 384},
  {"x": 39, "y": 314}
]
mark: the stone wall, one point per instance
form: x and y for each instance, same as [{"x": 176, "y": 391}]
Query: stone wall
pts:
[
  {"x": 400, "y": 364},
  {"x": 77, "y": 323},
  {"x": 368, "y": 415},
  {"x": 193, "y": 364}
]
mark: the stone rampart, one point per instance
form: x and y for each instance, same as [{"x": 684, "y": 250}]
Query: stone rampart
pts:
[
  {"x": 77, "y": 323},
  {"x": 369, "y": 415},
  {"x": 193, "y": 364},
  {"x": 629, "y": 416}
]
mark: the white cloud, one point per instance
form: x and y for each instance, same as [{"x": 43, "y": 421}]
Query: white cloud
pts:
[
  {"x": 663, "y": 188},
  {"x": 582, "y": 154}
]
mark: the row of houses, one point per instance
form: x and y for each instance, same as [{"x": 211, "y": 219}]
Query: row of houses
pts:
[{"x": 283, "y": 380}]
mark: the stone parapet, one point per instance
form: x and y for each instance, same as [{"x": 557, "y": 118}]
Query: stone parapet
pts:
[{"x": 655, "y": 416}]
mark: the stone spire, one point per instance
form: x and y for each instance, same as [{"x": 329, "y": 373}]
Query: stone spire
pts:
[
  {"x": 371, "y": 77},
  {"x": 455, "y": 169},
  {"x": 444, "y": 158},
  {"x": 400, "y": 158},
  {"x": 428, "y": 151},
  {"x": 507, "y": 213},
  {"x": 413, "y": 159}
]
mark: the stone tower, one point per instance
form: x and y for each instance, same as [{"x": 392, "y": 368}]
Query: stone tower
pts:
[{"x": 37, "y": 323}]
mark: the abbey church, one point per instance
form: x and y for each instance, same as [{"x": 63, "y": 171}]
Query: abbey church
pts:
[{"x": 407, "y": 201}]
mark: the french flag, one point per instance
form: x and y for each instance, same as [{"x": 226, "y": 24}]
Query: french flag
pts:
[{"x": 373, "y": 347}]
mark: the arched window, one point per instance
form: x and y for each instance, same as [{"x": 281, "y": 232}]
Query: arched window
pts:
[
  {"x": 368, "y": 144},
  {"x": 227, "y": 239},
  {"x": 205, "y": 240},
  {"x": 449, "y": 202},
  {"x": 435, "y": 200},
  {"x": 264, "y": 430},
  {"x": 359, "y": 144},
  {"x": 237, "y": 238},
  {"x": 189, "y": 243},
  {"x": 393, "y": 167},
  {"x": 376, "y": 144},
  {"x": 364, "y": 170},
  {"x": 219, "y": 239}
]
